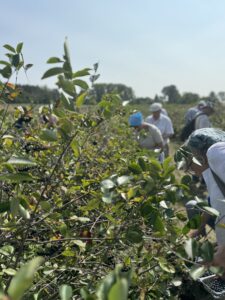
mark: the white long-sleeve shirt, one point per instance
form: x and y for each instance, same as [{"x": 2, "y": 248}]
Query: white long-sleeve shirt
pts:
[
  {"x": 216, "y": 161},
  {"x": 164, "y": 124},
  {"x": 202, "y": 121}
]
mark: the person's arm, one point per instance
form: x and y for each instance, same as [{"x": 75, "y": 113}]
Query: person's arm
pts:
[
  {"x": 169, "y": 132},
  {"x": 157, "y": 136}
]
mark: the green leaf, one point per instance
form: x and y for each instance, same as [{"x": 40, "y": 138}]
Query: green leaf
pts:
[
  {"x": 119, "y": 290},
  {"x": 166, "y": 266},
  {"x": 65, "y": 292},
  {"x": 197, "y": 271},
  {"x": 135, "y": 168},
  {"x": 4, "y": 206},
  {"x": 107, "y": 184},
  {"x": 186, "y": 179},
  {"x": 66, "y": 85},
  {"x": 63, "y": 229},
  {"x": 79, "y": 243},
  {"x": 66, "y": 102},
  {"x": 142, "y": 163},
  {"x": 156, "y": 166},
  {"x": 80, "y": 99},
  {"x": 158, "y": 224},
  {"x": 21, "y": 161},
  {"x": 82, "y": 73},
  {"x": 134, "y": 235},
  {"x": 10, "y": 271},
  {"x": 45, "y": 205},
  {"x": 15, "y": 60},
  {"x": 10, "y": 48},
  {"x": 28, "y": 66},
  {"x": 49, "y": 135},
  {"x": 19, "y": 47},
  {"x": 7, "y": 250},
  {"x": 52, "y": 72},
  {"x": 14, "y": 206},
  {"x": 75, "y": 147},
  {"x": 54, "y": 60},
  {"x": 147, "y": 210},
  {"x": 19, "y": 177},
  {"x": 66, "y": 126},
  {"x": 24, "y": 213},
  {"x": 6, "y": 72},
  {"x": 92, "y": 204},
  {"x": 66, "y": 50},
  {"x": 81, "y": 84},
  {"x": 67, "y": 65},
  {"x": 93, "y": 78},
  {"x": 149, "y": 185},
  {"x": 95, "y": 66},
  {"x": 68, "y": 253},
  {"x": 67, "y": 70},
  {"x": 85, "y": 294},
  {"x": 3, "y": 62},
  {"x": 207, "y": 251},
  {"x": 23, "y": 278},
  {"x": 181, "y": 216},
  {"x": 123, "y": 180},
  {"x": 108, "y": 197},
  {"x": 80, "y": 219},
  {"x": 177, "y": 281}
]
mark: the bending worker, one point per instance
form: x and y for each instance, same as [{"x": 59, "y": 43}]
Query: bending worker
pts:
[
  {"x": 147, "y": 135},
  {"x": 204, "y": 154},
  {"x": 163, "y": 123}
]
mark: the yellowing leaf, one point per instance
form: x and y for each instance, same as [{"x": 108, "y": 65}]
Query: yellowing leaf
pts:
[{"x": 80, "y": 99}]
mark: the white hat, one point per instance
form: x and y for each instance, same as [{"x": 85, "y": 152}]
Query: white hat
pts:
[
  {"x": 155, "y": 107},
  {"x": 202, "y": 103}
]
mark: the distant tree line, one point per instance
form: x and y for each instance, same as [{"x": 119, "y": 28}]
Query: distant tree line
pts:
[
  {"x": 170, "y": 94},
  {"x": 36, "y": 95}
]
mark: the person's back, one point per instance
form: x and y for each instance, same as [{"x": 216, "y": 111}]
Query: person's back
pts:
[
  {"x": 192, "y": 111},
  {"x": 147, "y": 135},
  {"x": 164, "y": 124},
  {"x": 190, "y": 114},
  {"x": 202, "y": 120}
]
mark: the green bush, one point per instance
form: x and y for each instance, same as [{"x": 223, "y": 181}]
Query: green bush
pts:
[{"x": 80, "y": 194}]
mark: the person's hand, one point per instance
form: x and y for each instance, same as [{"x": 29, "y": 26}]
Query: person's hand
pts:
[
  {"x": 194, "y": 233},
  {"x": 219, "y": 257}
]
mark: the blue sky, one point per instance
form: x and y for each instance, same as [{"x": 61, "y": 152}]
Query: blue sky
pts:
[{"x": 145, "y": 44}]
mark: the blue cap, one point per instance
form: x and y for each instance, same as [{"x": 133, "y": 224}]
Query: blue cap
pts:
[{"x": 136, "y": 119}]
